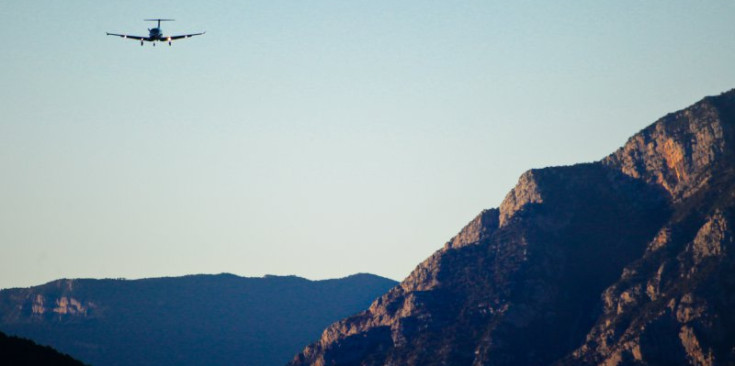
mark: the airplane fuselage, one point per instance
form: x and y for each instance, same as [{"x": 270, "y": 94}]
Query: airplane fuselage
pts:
[{"x": 155, "y": 34}]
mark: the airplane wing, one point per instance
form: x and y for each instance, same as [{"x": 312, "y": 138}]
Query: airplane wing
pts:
[
  {"x": 139, "y": 38},
  {"x": 171, "y": 38}
]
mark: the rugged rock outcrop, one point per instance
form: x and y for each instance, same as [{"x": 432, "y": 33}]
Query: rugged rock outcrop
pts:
[
  {"x": 624, "y": 261},
  {"x": 674, "y": 306}
]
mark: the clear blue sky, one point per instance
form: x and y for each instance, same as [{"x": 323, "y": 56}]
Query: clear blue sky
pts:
[{"x": 317, "y": 138}]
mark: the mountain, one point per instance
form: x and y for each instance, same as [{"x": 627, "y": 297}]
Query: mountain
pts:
[
  {"x": 626, "y": 261},
  {"x": 23, "y": 352},
  {"x": 192, "y": 320}
]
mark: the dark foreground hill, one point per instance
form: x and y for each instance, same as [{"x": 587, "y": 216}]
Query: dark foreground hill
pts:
[
  {"x": 16, "y": 351},
  {"x": 192, "y": 320},
  {"x": 625, "y": 261}
]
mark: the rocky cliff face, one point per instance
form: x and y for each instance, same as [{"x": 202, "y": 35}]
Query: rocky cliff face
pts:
[{"x": 623, "y": 261}]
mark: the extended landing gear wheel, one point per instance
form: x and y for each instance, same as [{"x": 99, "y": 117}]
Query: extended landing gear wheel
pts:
[
  {"x": 169, "y": 43},
  {"x": 141, "y": 43}
]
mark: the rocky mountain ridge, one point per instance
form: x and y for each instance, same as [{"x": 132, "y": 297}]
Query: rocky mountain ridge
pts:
[
  {"x": 194, "y": 320},
  {"x": 623, "y": 261}
]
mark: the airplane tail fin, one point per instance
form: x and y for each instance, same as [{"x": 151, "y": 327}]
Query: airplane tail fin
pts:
[{"x": 159, "y": 21}]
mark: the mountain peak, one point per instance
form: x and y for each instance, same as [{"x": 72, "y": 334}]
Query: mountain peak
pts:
[
  {"x": 680, "y": 151},
  {"x": 620, "y": 261}
]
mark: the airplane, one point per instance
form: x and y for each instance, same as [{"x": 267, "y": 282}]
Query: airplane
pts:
[{"x": 154, "y": 34}]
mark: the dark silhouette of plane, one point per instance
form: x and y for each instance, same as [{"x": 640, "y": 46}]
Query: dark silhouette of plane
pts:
[{"x": 155, "y": 34}]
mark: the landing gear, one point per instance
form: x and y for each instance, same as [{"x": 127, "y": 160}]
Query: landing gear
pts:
[
  {"x": 169, "y": 43},
  {"x": 141, "y": 43},
  {"x": 154, "y": 44}
]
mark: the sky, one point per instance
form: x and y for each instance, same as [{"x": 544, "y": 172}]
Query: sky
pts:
[{"x": 315, "y": 138}]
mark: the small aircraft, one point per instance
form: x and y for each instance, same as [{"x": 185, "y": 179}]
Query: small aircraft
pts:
[{"x": 155, "y": 35}]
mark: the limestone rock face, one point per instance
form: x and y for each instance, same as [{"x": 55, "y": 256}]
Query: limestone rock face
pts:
[
  {"x": 679, "y": 151},
  {"x": 673, "y": 306},
  {"x": 482, "y": 227},
  {"x": 624, "y": 261},
  {"x": 525, "y": 192}
]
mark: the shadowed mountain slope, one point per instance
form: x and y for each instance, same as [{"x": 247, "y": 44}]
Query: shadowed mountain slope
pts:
[
  {"x": 629, "y": 260},
  {"x": 23, "y": 352},
  {"x": 192, "y": 320}
]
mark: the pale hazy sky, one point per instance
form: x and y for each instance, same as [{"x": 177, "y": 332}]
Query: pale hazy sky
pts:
[{"x": 316, "y": 138}]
